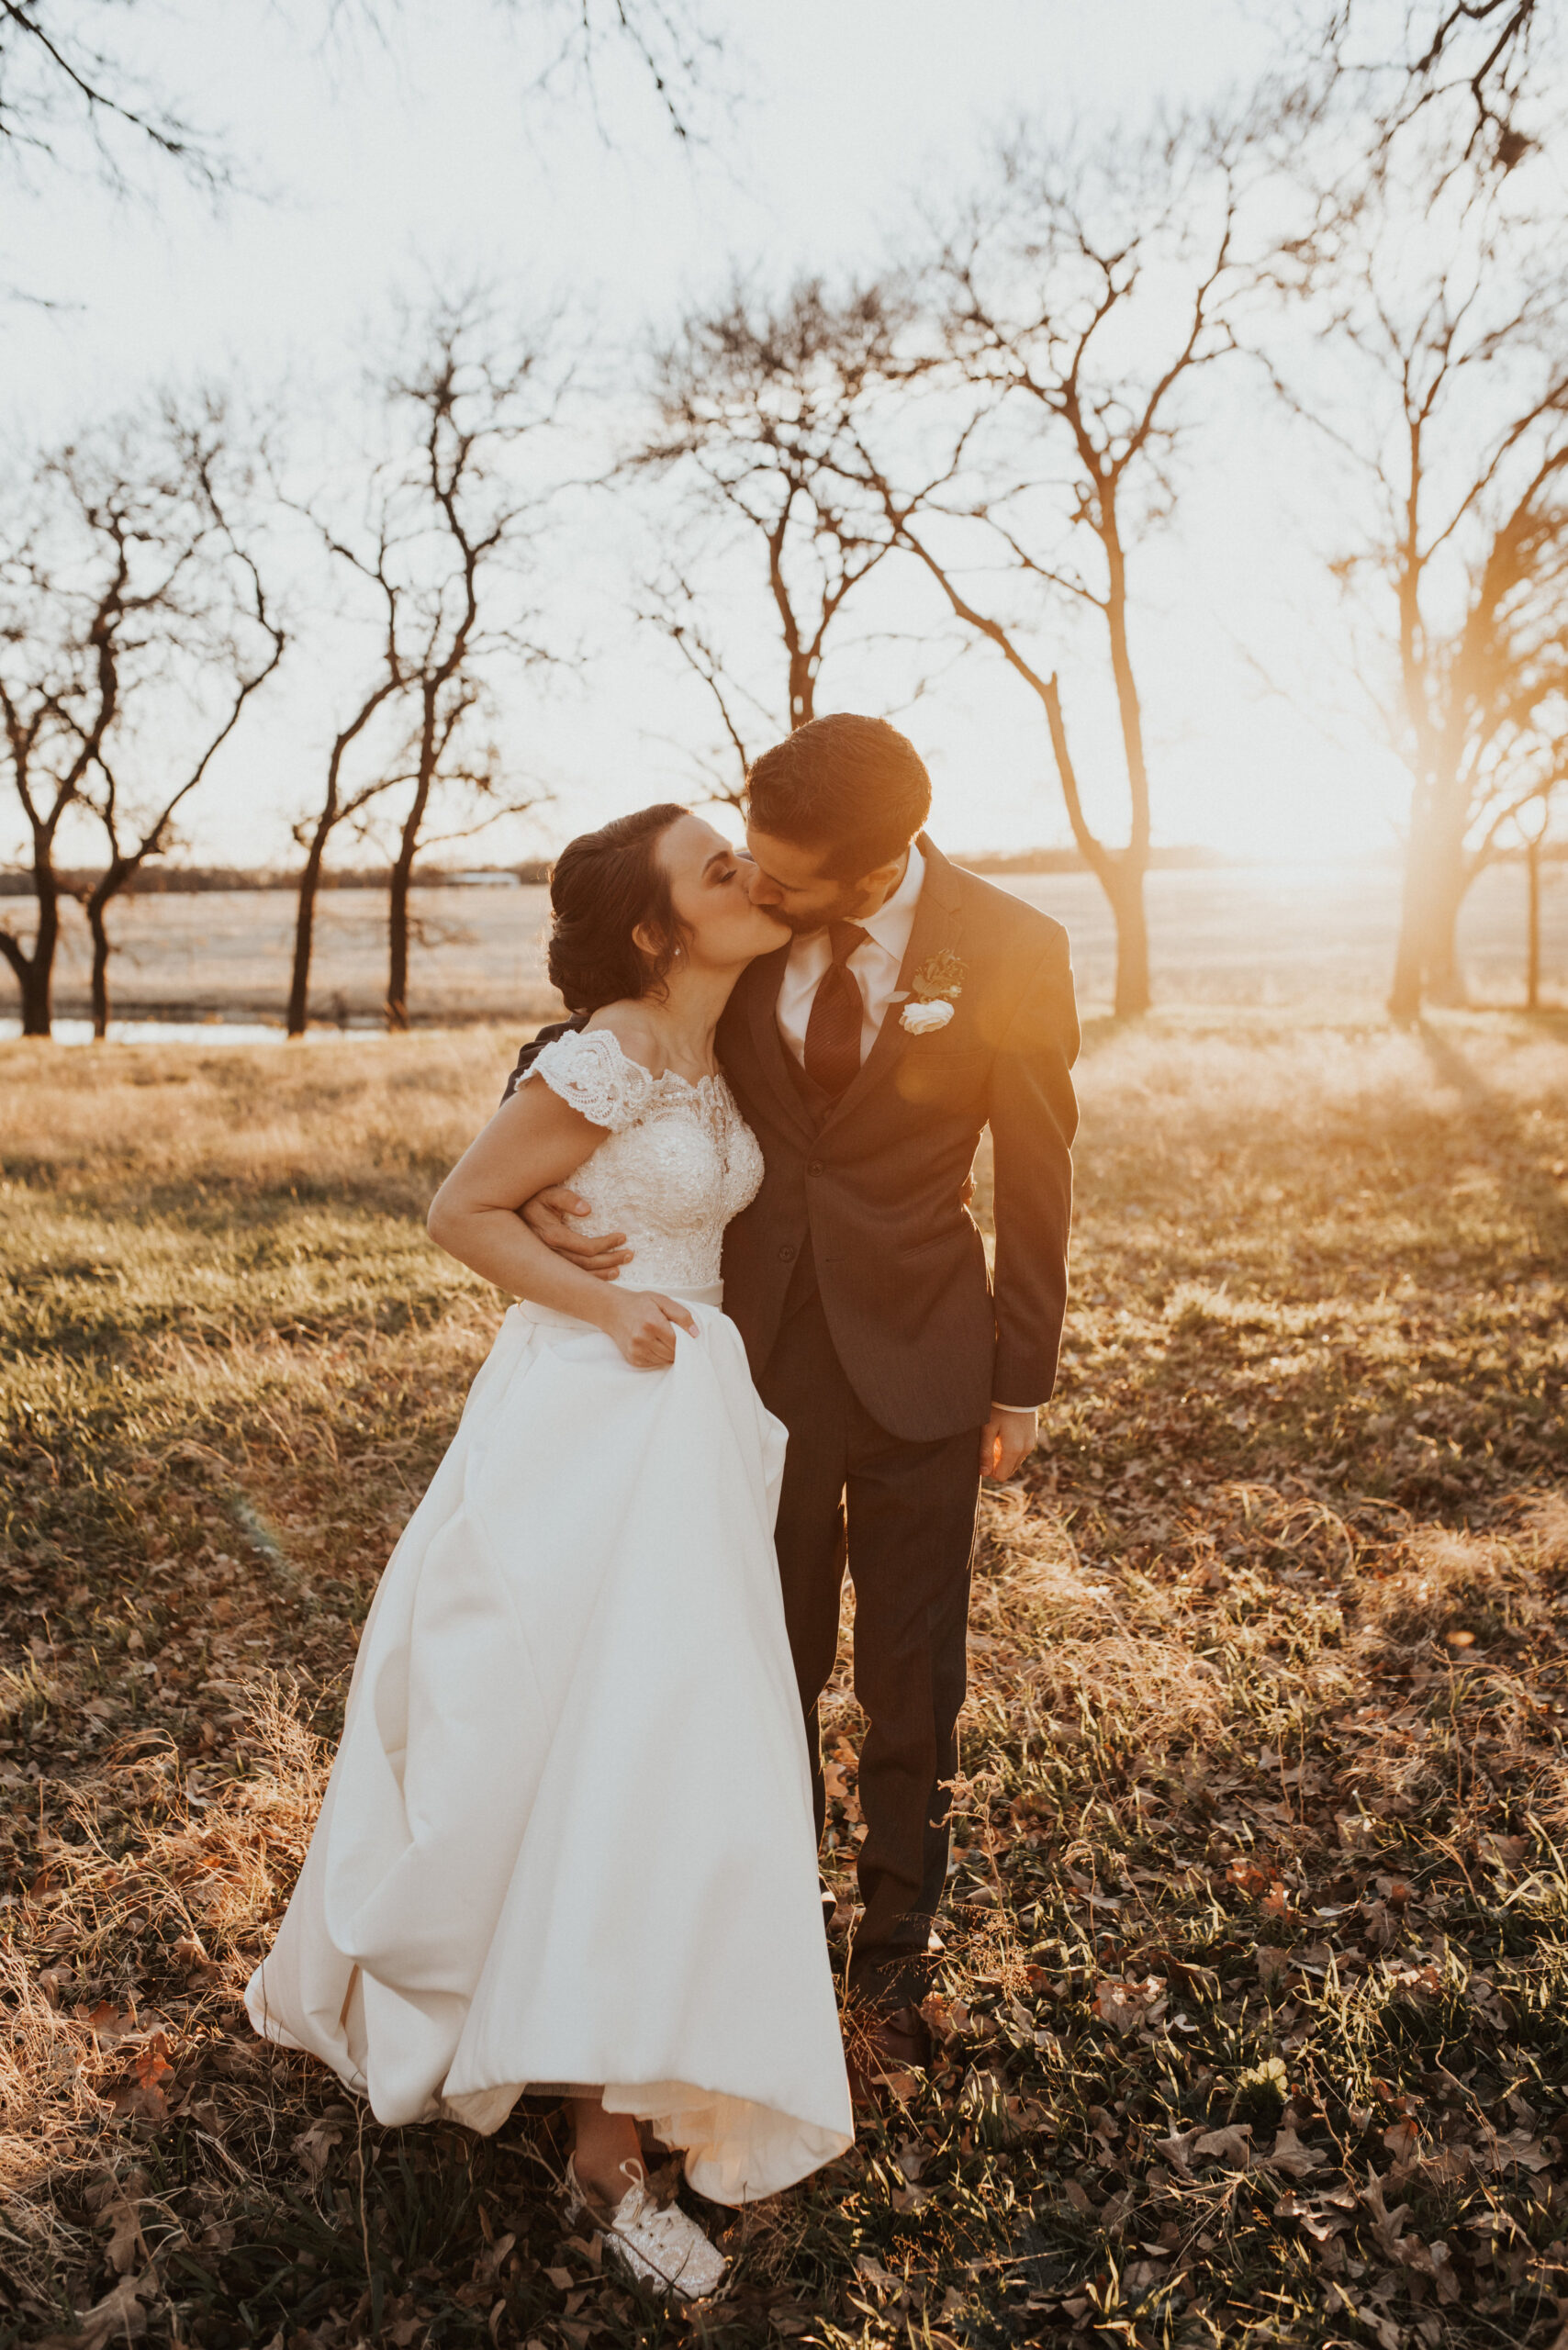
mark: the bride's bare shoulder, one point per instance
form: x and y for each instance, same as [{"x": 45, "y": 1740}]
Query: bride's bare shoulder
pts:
[{"x": 629, "y": 1023}]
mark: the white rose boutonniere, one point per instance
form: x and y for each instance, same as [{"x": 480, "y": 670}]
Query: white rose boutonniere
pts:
[
  {"x": 935, "y": 988},
  {"x": 920, "y": 1019}
]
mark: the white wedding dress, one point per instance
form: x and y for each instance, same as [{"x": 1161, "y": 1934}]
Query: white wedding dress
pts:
[{"x": 567, "y": 1836}]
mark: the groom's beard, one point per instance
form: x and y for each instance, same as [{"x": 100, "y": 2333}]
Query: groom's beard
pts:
[{"x": 848, "y": 906}]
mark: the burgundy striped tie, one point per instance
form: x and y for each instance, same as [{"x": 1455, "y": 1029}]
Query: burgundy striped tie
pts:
[{"x": 833, "y": 1032}]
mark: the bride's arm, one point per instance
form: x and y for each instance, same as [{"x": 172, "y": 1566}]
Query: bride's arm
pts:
[{"x": 535, "y": 1140}]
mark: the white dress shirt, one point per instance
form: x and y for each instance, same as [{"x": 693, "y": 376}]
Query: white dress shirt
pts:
[{"x": 874, "y": 966}]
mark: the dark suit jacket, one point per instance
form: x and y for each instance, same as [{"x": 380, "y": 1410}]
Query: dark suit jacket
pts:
[{"x": 874, "y": 1184}]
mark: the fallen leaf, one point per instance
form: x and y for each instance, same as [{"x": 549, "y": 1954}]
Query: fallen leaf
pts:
[
  {"x": 1321, "y": 2226},
  {"x": 108, "y": 2023},
  {"x": 1177, "y": 2149},
  {"x": 1387, "y": 2226},
  {"x": 1292, "y": 2157},
  {"x": 126, "y": 2239},
  {"x": 1520, "y": 2147},
  {"x": 142, "y": 2089},
  {"x": 1126, "y": 2006},
  {"x": 1247, "y": 1877},
  {"x": 120, "y": 2316},
  {"x": 314, "y": 2146},
  {"x": 1232, "y": 2145},
  {"x": 1381, "y": 1926},
  {"x": 872, "y": 2273}
]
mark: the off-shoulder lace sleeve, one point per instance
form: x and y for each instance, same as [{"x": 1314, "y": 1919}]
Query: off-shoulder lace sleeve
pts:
[{"x": 589, "y": 1069}]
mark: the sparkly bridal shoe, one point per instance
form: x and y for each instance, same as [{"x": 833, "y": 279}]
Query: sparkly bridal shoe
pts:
[{"x": 658, "y": 2247}]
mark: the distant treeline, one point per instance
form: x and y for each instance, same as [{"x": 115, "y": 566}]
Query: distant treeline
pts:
[
  {"x": 1068, "y": 860},
  {"x": 176, "y": 879}
]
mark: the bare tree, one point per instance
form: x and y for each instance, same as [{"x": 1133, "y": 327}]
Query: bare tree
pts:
[
  {"x": 755, "y": 409},
  {"x": 58, "y": 687},
  {"x": 342, "y": 803},
  {"x": 112, "y": 586},
  {"x": 452, "y": 518},
  {"x": 1075, "y": 307},
  {"x": 1436, "y": 368},
  {"x": 472, "y": 401},
  {"x": 218, "y": 643}
]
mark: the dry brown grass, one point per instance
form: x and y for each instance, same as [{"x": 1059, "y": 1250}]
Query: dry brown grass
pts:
[
  {"x": 323, "y": 1119},
  {"x": 1264, "y": 1787}
]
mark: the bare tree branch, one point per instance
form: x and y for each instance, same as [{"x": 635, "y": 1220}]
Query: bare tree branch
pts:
[
  {"x": 444, "y": 554},
  {"x": 756, "y": 409},
  {"x": 1444, "y": 378}
]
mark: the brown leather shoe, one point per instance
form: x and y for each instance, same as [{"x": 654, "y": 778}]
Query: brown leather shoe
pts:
[{"x": 881, "y": 2044}]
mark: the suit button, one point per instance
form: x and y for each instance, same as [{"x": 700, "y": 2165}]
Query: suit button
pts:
[
  {"x": 813, "y": 1166},
  {"x": 786, "y": 1256}
]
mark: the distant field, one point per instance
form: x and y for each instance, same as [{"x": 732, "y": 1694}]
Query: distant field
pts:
[{"x": 1272, "y": 936}]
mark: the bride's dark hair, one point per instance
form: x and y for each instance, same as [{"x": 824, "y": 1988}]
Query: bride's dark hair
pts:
[{"x": 603, "y": 886}]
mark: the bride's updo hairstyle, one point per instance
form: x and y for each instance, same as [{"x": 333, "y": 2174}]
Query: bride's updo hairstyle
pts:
[{"x": 603, "y": 886}]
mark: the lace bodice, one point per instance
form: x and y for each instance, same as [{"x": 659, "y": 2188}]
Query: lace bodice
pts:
[{"x": 678, "y": 1162}]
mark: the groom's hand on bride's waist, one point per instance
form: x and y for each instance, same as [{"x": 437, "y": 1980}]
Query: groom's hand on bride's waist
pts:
[{"x": 556, "y": 1218}]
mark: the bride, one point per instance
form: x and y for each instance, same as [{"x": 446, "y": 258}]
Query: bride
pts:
[{"x": 567, "y": 1841}]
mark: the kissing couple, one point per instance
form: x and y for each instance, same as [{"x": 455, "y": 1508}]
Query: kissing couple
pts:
[{"x": 568, "y": 1846}]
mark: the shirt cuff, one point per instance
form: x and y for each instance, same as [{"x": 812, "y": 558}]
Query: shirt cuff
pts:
[{"x": 1014, "y": 1407}]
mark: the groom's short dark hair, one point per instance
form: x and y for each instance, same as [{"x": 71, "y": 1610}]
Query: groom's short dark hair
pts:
[{"x": 853, "y": 789}]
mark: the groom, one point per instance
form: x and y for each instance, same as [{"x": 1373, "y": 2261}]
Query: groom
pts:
[{"x": 915, "y": 1006}]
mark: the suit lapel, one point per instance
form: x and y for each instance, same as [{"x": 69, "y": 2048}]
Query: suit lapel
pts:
[
  {"x": 762, "y": 983},
  {"x": 935, "y": 927}
]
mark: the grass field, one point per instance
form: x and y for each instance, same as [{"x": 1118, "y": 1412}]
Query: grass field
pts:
[{"x": 1254, "y": 2023}]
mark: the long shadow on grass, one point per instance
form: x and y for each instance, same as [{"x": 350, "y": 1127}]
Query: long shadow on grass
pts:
[{"x": 1531, "y": 1184}]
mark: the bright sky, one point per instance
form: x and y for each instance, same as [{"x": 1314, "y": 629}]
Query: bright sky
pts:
[{"x": 428, "y": 153}]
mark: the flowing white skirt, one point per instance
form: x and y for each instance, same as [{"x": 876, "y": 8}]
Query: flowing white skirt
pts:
[{"x": 568, "y": 1834}]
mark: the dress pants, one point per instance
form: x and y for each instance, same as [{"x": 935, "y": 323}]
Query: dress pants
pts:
[{"x": 904, "y": 1514}]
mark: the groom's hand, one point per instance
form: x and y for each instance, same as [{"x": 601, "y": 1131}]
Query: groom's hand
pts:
[
  {"x": 1006, "y": 1441},
  {"x": 548, "y": 1216}
]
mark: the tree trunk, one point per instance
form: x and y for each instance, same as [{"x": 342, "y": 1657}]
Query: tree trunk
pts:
[
  {"x": 1126, "y": 894},
  {"x": 1445, "y": 971},
  {"x": 1407, "y": 990},
  {"x": 398, "y": 941},
  {"x": 303, "y": 932},
  {"x": 803, "y": 691},
  {"x": 1532, "y": 926},
  {"x": 402, "y": 882},
  {"x": 97, "y": 911},
  {"x": 36, "y": 976},
  {"x": 1427, "y": 967}
]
